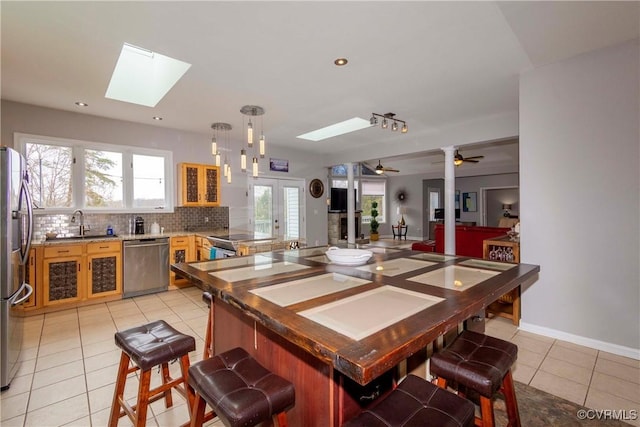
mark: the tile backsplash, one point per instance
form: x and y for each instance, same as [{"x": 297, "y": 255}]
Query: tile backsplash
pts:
[{"x": 182, "y": 219}]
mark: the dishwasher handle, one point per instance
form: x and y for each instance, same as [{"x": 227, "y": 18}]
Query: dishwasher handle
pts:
[{"x": 144, "y": 244}]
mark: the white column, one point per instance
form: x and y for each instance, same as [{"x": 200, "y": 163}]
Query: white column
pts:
[
  {"x": 449, "y": 200},
  {"x": 351, "y": 207}
]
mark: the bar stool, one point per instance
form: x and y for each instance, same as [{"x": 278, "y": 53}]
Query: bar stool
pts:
[
  {"x": 150, "y": 345},
  {"x": 208, "y": 335},
  {"x": 240, "y": 390},
  {"x": 482, "y": 364},
  {"x": 417, "y": 402}
]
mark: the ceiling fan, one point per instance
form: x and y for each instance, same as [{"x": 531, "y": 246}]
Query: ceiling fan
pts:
[
  {"x": 381, "y": 169},
  {"x": 458, "y": 159}
]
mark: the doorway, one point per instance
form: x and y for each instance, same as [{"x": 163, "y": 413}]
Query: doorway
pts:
[
  {"x": 276, "y": 207},
  {"x": 493, "y": 200}
]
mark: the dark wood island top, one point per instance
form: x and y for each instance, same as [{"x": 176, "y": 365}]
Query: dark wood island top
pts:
[{"x": 362, "y": 320}]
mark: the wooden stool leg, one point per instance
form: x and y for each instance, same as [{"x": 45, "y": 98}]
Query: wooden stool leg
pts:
[
  {"x": 119, "y": 389},
  {"x": 486, "y": 409},
  {"x": 143, "y": 398},
  {"x": 166, "y": 377},
  {"x": 208, "y": 335},
  {"x": 280, "y": 419},
  {"x": 189, "y": 392},
  {"x": 197, "y": 411},
  {"x": 510, "y": 400}
]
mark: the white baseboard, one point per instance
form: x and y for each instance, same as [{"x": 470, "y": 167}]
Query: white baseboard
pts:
[{"x": 633, "y": 353}]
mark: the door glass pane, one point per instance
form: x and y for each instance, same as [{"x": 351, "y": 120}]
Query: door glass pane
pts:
[
  {"x": 50, "y": 175},
  {"x": 103, "y": 179},
  {"x": 291, "y": 212},
  {"x": 263, "y": 209},
  {"x": 148, "y": 181},
  {"x": 434, "y": 202}
]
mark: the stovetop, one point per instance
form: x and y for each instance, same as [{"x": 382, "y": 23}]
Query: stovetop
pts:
[{"x": 241, "y": 237}]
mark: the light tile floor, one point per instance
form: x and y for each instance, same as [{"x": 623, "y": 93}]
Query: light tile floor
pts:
[{"x": 70, "y": 364}]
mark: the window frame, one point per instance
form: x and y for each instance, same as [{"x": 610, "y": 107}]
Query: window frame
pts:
[
  {"x": 366, "y": 217},
  {"x": 78, "y": 148}
]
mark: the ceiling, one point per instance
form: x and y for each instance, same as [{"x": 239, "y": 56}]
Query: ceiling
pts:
[{"x": 434, "y": 64}]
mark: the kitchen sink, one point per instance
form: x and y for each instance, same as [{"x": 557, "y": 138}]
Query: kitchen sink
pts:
[{"x": 85, "y": 237}]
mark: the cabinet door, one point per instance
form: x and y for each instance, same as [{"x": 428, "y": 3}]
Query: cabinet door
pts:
[
  {"x": 210, "y": 185},
  {"x": 62, "y": 280},
  {"x": 191, "y": 184},
  {"x": 179, "y": 253},
  {"x": 104, "y": 274}
]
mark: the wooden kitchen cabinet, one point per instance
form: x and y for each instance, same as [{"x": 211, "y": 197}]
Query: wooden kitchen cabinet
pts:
[
  {"x": 199, "y": 185},
  {"x": 203, "y": 248},
  {"x": 506, "y": 250},
  {"x": 78, "y": 272},
  {"x": 104, "y": 269},
  {"x": 62, "y": 274},
  {"x": 181, "y": 249}
]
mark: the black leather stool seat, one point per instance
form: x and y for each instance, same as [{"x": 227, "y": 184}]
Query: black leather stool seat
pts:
[
  {"x": 477, "y": 361},
  {"x": 417, "y": 403},
  {"x": 154, "y": 343},
  {"x": 240, "y": 390}
]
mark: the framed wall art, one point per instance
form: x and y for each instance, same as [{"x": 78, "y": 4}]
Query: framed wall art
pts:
[
  {"x": 469, "y": 202},
  {"x": 278, "y": 165}
]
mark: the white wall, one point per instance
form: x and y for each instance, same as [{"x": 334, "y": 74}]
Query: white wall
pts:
[
  {"x": 579, "y": 193},
  {"x": 186, "y": 147}
]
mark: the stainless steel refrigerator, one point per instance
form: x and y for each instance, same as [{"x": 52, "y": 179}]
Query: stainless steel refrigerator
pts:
[{"x": 16, "y": 225}]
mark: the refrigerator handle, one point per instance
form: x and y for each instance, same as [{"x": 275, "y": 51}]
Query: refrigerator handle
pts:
[
  {"x": 24, "y": 298},
  {"x": 24, "y": 255}
]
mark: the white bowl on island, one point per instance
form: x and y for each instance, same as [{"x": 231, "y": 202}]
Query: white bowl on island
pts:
[{"x": 348, "y": 256}]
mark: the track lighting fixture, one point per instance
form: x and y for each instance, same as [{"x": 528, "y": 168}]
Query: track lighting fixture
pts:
[{"x": 385, "y": 122}]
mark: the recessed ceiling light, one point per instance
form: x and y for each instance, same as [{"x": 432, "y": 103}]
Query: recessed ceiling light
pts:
[
  {"x": 341, "y": 128},
  {"x": 144, "y": 77},
  {"x": 157, "y": 118},
  {"x": 82, "y": 104},
  {"x": 340, "y": 62}
]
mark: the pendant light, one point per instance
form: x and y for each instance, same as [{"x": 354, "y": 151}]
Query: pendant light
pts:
[
  {"x": 253, "y": 111},
  {"x": 243, "y": 160},
  {"x": 255, "y": 167},
  {"x": 215, "y": 149}
]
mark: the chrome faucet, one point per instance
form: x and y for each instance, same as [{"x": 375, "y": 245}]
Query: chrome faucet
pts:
[{"x": 73, "y": 219}]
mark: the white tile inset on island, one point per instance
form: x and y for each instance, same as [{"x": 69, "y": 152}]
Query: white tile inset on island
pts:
[
  {"x": 361, "y": 315},
  {"x": 395, "y": 266},
  {"x": 454, "y": 277},
  {"x": 216, "y": 264},
  {"x": 258, "y": 270},
  {"x": 305, "y": 289}
]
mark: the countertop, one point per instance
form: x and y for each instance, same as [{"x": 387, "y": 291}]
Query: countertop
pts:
[{"x": 122, "y": 237}]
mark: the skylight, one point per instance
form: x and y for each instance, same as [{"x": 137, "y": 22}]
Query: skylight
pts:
[
  {"x": 144, "y": 77},
  {"x": 341, "y": 128}
]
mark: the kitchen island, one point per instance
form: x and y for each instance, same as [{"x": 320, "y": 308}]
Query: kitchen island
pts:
[{"x": 337, "y": 332}]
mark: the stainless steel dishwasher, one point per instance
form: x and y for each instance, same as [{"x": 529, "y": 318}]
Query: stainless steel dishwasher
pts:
[{"x": 146, "y": 266}]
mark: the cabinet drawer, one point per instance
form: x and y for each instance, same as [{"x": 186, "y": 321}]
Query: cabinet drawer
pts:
[
  {"x": 60, "y": 251},
  {"x": 179, "y": 241},
  {"x": 103, "y": 247}
]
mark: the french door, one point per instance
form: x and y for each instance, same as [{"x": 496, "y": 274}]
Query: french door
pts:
[{"x": 277, "y": 207}]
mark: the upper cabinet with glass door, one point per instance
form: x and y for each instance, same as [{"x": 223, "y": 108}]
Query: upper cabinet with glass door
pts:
[{"x": 199, "y": 185}]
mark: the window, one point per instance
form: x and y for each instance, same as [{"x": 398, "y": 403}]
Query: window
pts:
[
  {"x": 103, "y": 179},
  {"x": 373, "y": 190},
  {"x": 66, "y": 174}
]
